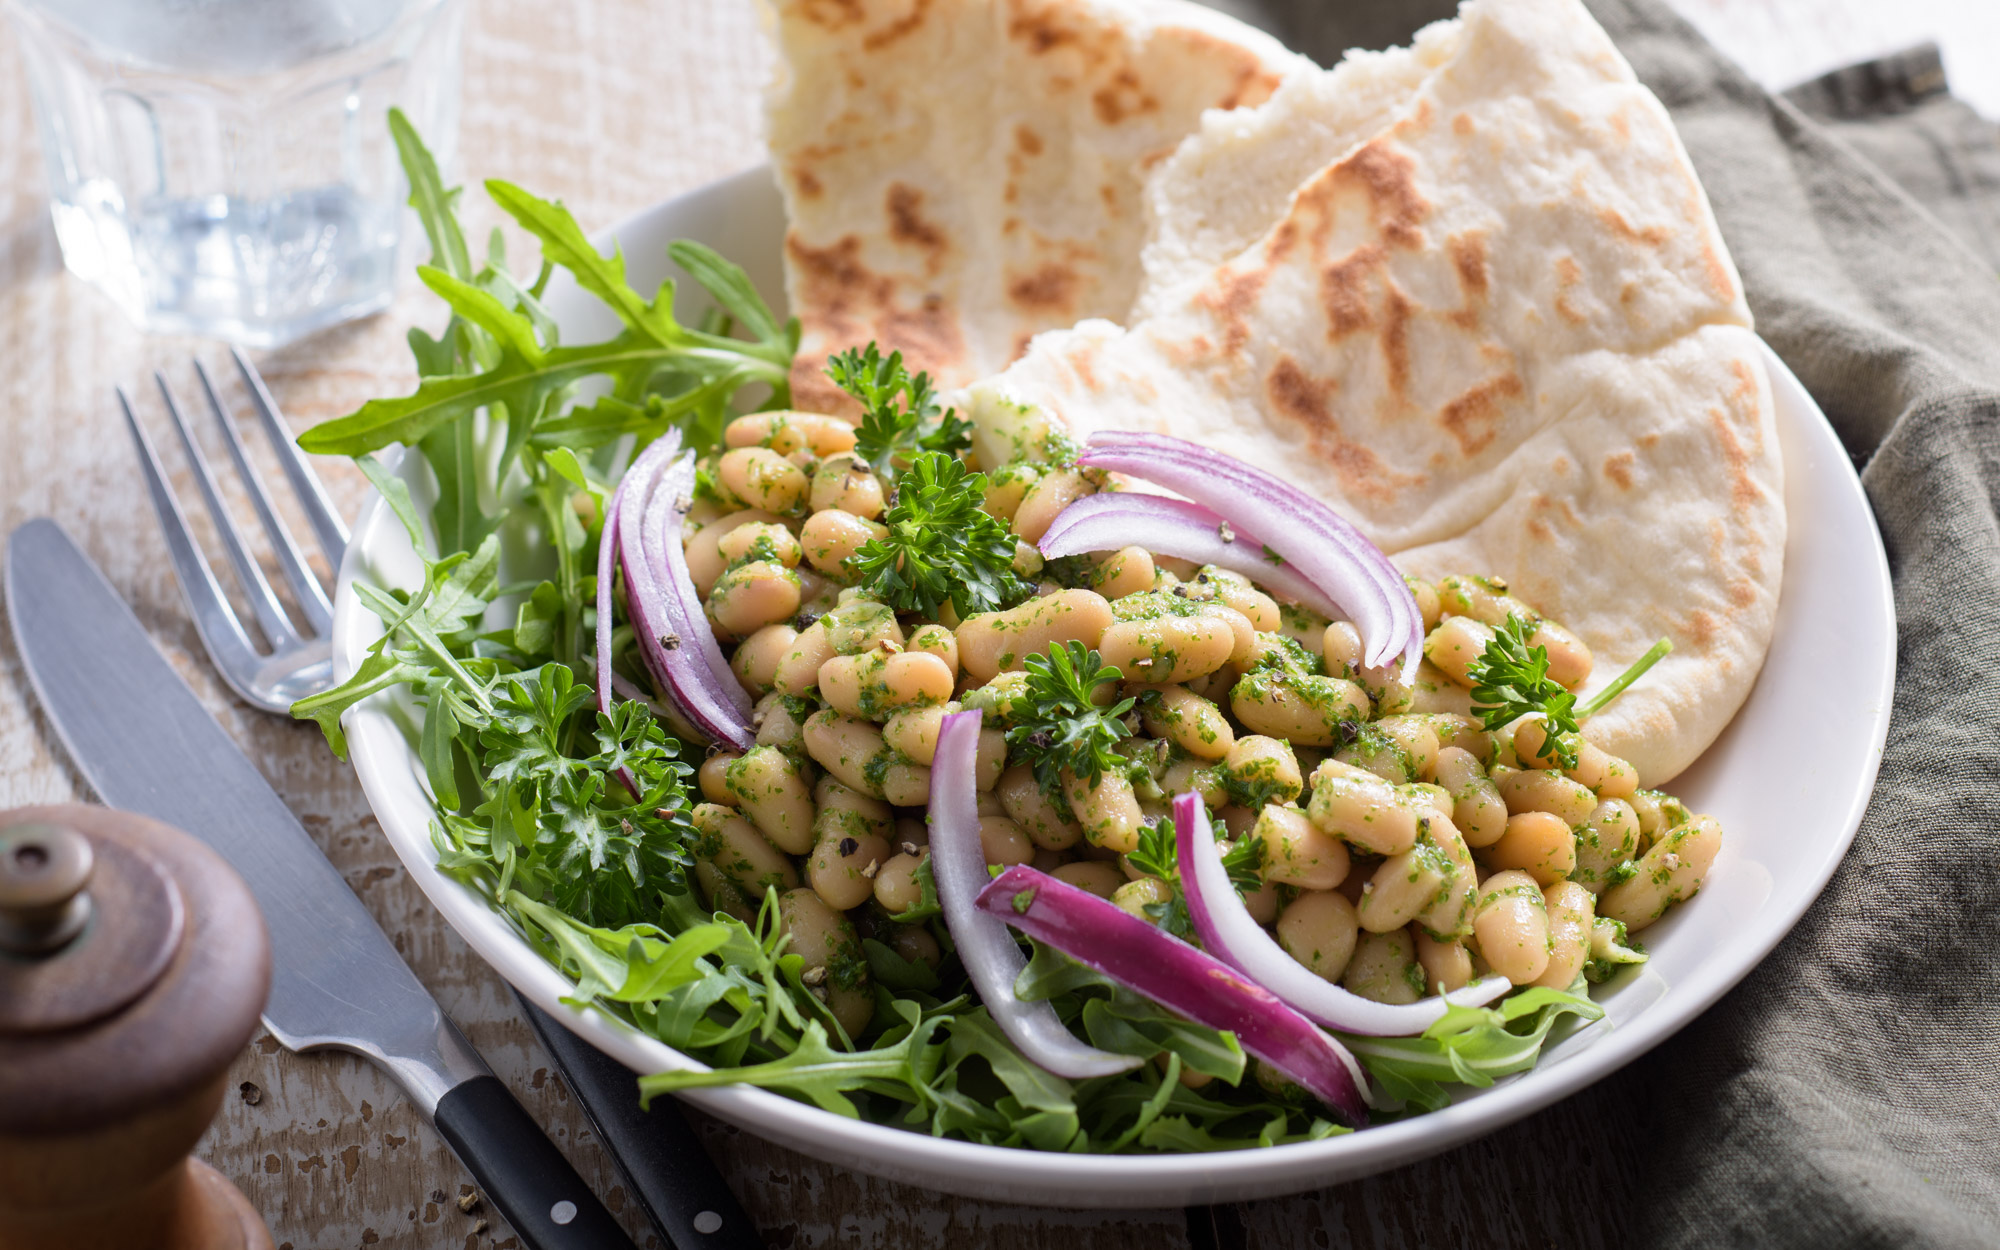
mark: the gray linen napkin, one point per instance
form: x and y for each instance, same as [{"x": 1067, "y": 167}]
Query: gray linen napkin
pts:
[
  {"x": 1898, "y": 113},
  {"x": 1848, "y": 1092}
]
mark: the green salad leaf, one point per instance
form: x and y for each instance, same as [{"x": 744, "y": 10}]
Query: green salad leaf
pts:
[
  {"x": 499, "y": 353},
  {"x": 1471, "y": 1045}
]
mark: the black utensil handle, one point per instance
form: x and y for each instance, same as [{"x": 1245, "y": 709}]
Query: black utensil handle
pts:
[
  {"x": 664, "y": 1163},
  {"x": 520, "y": 1169}
]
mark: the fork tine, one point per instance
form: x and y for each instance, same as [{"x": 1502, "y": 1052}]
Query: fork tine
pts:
[
  {"x": 221, "y": 633},
  {"x": 312, "y": 596},
  {"x": 320, "y": 512},
  {"x": 270, "y": 613}
]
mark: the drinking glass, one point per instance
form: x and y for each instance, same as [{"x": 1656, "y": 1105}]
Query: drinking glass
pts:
[{"x": 224, "y": 167}]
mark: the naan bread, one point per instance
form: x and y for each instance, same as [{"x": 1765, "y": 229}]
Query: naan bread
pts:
[
  {"x": 1501, "y": 334},
  {"x": 964, "y": 174}
]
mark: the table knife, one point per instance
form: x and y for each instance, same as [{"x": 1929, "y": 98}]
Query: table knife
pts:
[
  {"x": 144, "y": 742},
  {"x": 662, "y": 1160}
]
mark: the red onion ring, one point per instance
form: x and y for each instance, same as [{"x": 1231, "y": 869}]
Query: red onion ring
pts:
[
  {"x": 1229, "y": 933},
  {"x": 1175, "y": 527},
  {"x": 1324, "y": 548},
  {"x": 607, "y": 567},
  {"x": 674, "y": 642},
  {"x": 992, "y": 959},
  {"x": 673, "y": 495},
  {"x": 1151, "y": 962}
]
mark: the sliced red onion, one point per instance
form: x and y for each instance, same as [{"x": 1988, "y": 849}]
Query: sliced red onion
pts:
[
  {"x": 1229, "y": 933},
  {"x": 658, "y": 590},
  {"x": 607, "y": 567},
  {"x": 1323, "y": 547},
  {"x": 992, "y": 959},
  {"x": 1104, "y": 936},
  {"x": 673, "y": 495},
  {"x": 604, "y": 679},
  {"x": 1175, "y": 527}
]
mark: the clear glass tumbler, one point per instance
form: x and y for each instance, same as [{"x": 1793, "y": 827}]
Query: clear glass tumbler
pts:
[{"x": 224, "y": 167}]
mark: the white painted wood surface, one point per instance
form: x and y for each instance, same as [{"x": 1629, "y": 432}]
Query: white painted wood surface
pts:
[
  {"x": 613, "y": 104},
  {"x": 1783, "y": 42}
]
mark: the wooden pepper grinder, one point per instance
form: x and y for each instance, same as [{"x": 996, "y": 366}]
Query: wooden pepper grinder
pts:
[{"x": 133, "y": 966}]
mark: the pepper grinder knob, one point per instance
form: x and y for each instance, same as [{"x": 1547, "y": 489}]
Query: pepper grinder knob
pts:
[
  {"x": 133, "y": 966},
  {"x": 43, "y": 872}
]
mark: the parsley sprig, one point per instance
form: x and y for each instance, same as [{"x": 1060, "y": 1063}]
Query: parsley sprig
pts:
[
  {"x": 1510, "y": 679},
  {"x": 900, "y": 413},
  {"x": 1059, "y": 727},
  {"x": 942, "y": 546},
  {"x": 1158, "y": 855}
]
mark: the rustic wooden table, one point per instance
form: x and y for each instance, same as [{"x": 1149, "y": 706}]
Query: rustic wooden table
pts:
[{"x": 610, "y": 104}]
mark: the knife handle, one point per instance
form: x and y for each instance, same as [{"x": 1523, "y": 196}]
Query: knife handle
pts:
[
  {"x": 521, "y": 1170},
  {"x": 663, "y": 1161}
]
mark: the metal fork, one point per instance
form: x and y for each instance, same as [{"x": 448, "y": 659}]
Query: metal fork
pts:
[
  {"x": 661, "y": 1158},
  {"x": 297, "y": 657}
]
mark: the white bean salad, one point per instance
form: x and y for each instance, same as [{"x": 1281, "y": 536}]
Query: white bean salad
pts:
[{"x": 1400, "y": 847}]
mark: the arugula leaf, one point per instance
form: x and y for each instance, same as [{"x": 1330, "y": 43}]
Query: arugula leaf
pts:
[
  {"x": 811, "y": 1068},
  {"x": 1032, "y": 1087},
  {"x": 927, "y": 904},
  {"x": 1510, "y": 680},
  {"x": 900, "y": 415},
  {"x": 730, "y": 285},
  {"x": 426, "y": 631},
  {"x": 1059, "y": 728},
  {"x": 1471, "y": 1045},
  {"x": 527, "y": 376},
  {"x": 564, "y": 244},
  {"x": 1180, "y": 1133},
  {"x": 890, "y": 969},
  {"x": 942, "y": 547},
  {"x": 437, "y": 208}
]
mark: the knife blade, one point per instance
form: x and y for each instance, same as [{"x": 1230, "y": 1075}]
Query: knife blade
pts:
[{"x": 145, "y": 743}]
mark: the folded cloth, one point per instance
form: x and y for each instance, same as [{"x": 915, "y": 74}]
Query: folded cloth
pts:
[
  {"x": 1898, "y": 113},
  {"x": 1848, "y": 1092}
]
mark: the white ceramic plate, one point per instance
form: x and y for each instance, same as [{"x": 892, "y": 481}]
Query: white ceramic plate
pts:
[{"x": 1788, "y": 779}]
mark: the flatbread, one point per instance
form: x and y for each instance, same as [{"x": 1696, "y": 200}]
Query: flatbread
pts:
[
  {"x": 1502, "y": 335},
  {"x": 964, "y": 174},
  {"x": 1227, "y": 183}
]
